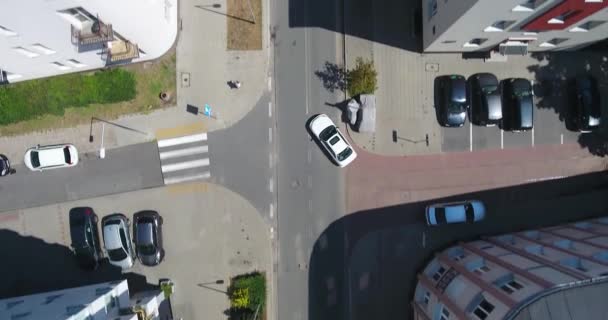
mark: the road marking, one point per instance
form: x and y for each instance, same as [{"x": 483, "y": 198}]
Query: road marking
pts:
[
  {"x": 173, "y": 180},
  {"x": 271, "y": 185},
  {"x": 470, "y": 136},
  {"x": 167, "y": 133},
  {"x": 270, "y": 135},
  {"x": 562, "y": 138},
  {"x": 545, "y": 178},
  {"x": 533, "y": 136},
  {"x": 310, "y": 182},
  {"x": 184, "y": 165},
  {"x": 502, "y": 139},
  {"x": 269, "y": 109},
  {"x": 270, "y": 160},
  {"x": 309, "y": 156},
  {"x": 306, "y": 68},
  {"x": 182, "y": 140},
  {"x": 309, "y": 205},
  {"x": 271, "y": 209},
  {"x": 183, "y": 152},
  {"x": 269, "y": 83}
]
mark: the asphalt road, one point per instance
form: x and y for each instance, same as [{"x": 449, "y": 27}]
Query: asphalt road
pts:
[
  {"x": 309, "y": 186},
  {"x": 123, "y": 169}
]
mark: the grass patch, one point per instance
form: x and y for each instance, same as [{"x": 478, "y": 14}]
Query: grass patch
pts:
[
  {"x": 247, "y": 294},
  {"x": 244, "y": 32},
  {"x": 150, "y": 79}
]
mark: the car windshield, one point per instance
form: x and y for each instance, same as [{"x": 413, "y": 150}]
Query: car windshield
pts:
[
  {"x": 456, "y": 107},
  {"x": 66, "y": 155},
  {"x": 440, "y": 215},
  {"x": 117, "y": 254},
  {"x": 344, "y": 154},
  {"x": 328, "y": 133},
  {"x": 147, "y": 249},
  {"x": 468, "y": 208},
  {"x": 34, "y": 159}
]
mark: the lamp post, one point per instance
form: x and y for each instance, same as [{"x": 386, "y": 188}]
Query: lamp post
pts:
[{"x": 102, "y": 149}]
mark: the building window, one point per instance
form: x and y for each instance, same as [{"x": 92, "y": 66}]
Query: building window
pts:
[
  {"x": 499, "y": 26},
  {"x": 50, "y": 299},
  {"x": 102, "y": 291},
  {"x": 574, "y": 262},
  {"x": 7, "y": 32},
  {"x": 25, "y": 52},
  {"x": 528, "y": 6},
  {"x": 553, "y": 42},
  {"x": 11, "y": 304},
  {"x": 73, "y": 309},
  {"x": 439, "y": 273},
  {"x": 432, "y": 8},
  {"x": 448, "y": 41},
  {"x": 75, "y": 63},
  {"x": 587, "y": 26},
  {"x": 20, "y": 315},
  {"x": 427, "y": 298},
  {"x": 511, "y": 286},
  {"x": 76, "y": 16},
  {"x": 474, "y": 43},
  {"x": 563, "y": 17},
  {"x": 445, "y": 314},
  {"x": 42, "y": 49},
  {"x": 483, "y": 310},
  {"x": 481, "y": 270},
  {"x": 60, "y": 66}
]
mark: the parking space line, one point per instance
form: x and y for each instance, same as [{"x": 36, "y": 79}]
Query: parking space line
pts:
[
  {"x": 561, "y": 139},
  {"x": 502, "y": 139},
  {"x": 269, "y": 109},
  {"x": 533, "y": 136},
  {"x": 271, "y": 185},
  {"x": 270, "y": 135},
  {"x": 470, "y": 136}
]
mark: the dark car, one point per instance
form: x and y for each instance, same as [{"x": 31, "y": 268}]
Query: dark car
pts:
[
  {"x": 85, "y": 237},
  {"x": 517, "y": 105},
  {"x": 452, "y": 104},
  {"x": 484, "y": 98},
  {"x": 148, "y": 237},
  {"x": 585, "y": 112},
  {"x": 5, "y": 166}
]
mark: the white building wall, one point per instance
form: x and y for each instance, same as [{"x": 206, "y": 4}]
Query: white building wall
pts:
[
  {"x": 457, "y": 23},
  {"x": 151, "y": 24}
]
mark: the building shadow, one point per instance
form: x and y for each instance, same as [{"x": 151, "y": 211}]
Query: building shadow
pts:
[
  {"x": 395, "y": 23},
  {"x": 31, "y": 265},
  {"x": 554, "y": 89},
  {"x": 364, "y": 265}
]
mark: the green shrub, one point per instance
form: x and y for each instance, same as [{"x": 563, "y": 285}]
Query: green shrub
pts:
[
  {"x": 362, "y": 79},
  {"x": 32, "y": 99},
  {"x": 248, "y": 291}
]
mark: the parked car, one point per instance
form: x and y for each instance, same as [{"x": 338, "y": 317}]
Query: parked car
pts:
[
  {"x": 148, "y": 237},
  {"x": 85, "y": 237},
  {"x": 42, "y": 158},
  {"x": 326, "y": 132},
  {"x": 484, "y": 98},
  {"x": 452, "y": 104},
  {"x": 117, "y": 240},
  {"x": 517, "y": 105},
  {"x": 5, "y": 166},
  {"x": 585, "y": 111},
  {"x": 455, "y": 212}
]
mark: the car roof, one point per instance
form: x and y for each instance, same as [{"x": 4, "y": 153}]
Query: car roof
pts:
[
  {"x": 145, "y": 232},
  {"x": 339, "y": 146},
  {"x": 458, "y": 88},
  {"x": 51, "y": 157},
  {"x": 111, "y": 236}
]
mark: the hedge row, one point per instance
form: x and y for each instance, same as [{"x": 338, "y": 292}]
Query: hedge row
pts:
[
  {"x": 32, "y": 99},
  {"x": 248, "y": 292}
]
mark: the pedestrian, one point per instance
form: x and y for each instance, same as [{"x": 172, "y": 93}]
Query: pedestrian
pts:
[{"x": 237, "y": 84}]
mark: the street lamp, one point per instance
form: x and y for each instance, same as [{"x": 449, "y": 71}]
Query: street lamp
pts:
[{"x": 102, "y": 150}]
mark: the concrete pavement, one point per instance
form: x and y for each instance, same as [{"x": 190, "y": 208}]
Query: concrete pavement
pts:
[{"x": 210, "y": 233}]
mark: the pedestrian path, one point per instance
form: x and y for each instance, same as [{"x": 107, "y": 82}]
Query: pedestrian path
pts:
[{"x": 184, "y": 158}]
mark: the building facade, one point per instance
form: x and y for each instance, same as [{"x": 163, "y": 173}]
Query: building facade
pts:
[
  {"x": 40, "y": 38},
  {"x": 512, "y": 26},
  {"x": 498, "y": 277},
  {"x": 109, "y": 300}
]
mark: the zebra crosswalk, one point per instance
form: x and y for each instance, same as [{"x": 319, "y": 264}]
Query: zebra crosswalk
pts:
[{"x": 184, "y": 159}]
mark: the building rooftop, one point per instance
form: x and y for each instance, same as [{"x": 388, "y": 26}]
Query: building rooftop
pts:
[{"x": 571, "y": 303}]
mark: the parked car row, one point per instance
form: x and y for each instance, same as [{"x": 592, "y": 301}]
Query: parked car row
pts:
[
  {"x": 509, "y": 103},
  {"x": 147, "y": 237}
]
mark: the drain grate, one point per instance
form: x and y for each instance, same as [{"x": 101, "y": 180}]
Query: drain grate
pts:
[
  {"x": 185, "y": 79},
  {"x": 431, "y": 67}
]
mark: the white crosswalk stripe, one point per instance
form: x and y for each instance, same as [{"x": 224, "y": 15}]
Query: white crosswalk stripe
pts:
[{"x": 184, "y": 159}]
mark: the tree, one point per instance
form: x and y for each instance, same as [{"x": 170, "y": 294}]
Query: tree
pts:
[{"x": 362, "y": 79}]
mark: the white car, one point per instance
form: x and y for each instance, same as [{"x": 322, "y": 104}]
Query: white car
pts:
[
  {"x": 455, "y": 212},
  {"x": 42, "y": 158},
  {"x": 330, "y": 137}
]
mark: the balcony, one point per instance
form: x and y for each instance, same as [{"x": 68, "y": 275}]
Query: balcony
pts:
[
  {"x": 92, "y": 36},
  {"x": 119, "y": 51}
]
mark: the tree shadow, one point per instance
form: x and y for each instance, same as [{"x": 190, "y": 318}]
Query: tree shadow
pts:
[
  {"x": 365, "y": 265},
  {"x": 31, "y": 265},
  {"x": 333, "y": 77},
  {"x": 554, "y": 89}
]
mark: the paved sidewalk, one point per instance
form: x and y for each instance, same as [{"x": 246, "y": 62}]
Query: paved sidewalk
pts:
[
  {"x": 405, "y": 101},
  {"x": 210, "y": 233},
  {"x": 201, "y": 52}
]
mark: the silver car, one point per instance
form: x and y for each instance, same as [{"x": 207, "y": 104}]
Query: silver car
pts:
[
  {"x": 455, "y": 212},
  {"x": 117, "y": 240}
]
